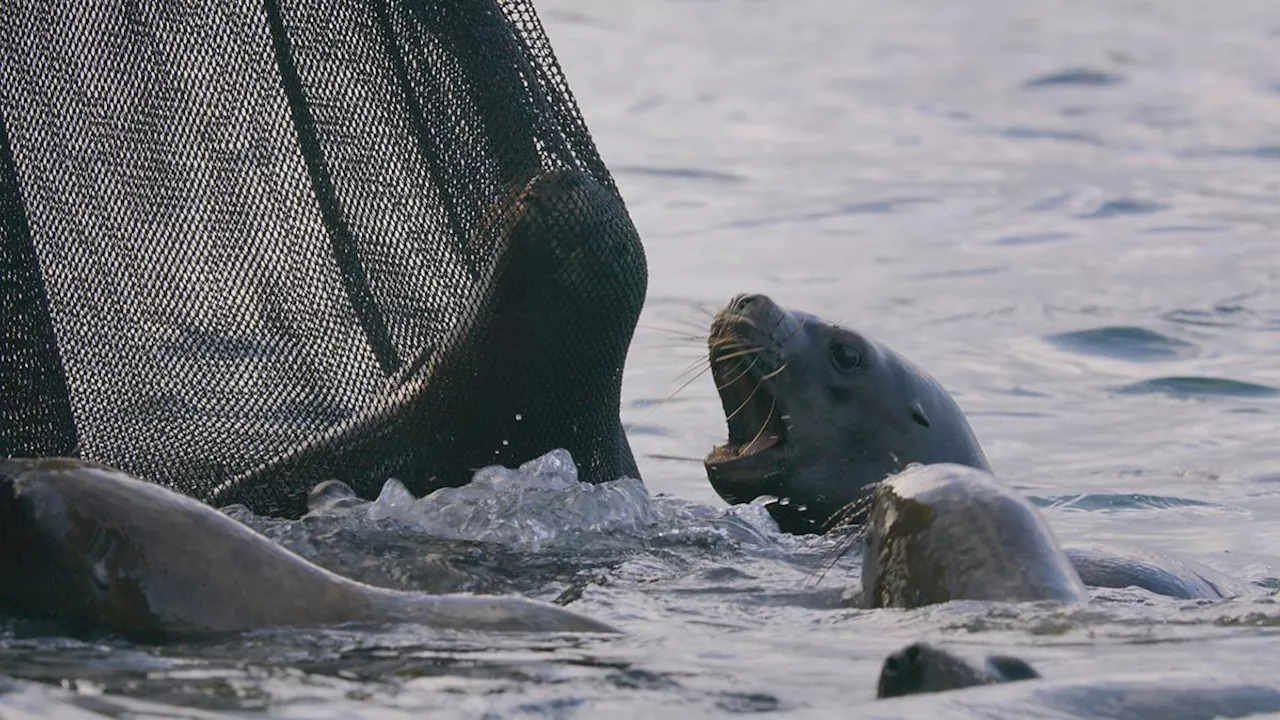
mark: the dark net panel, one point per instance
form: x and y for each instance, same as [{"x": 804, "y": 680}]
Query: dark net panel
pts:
[{"x": 240, "y": 231}]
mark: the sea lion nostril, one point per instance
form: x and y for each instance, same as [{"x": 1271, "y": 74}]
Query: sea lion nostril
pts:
[{"x": 742, "y": 303}]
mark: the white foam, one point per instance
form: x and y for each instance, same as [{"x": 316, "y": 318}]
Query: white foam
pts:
[{"x": 537, "y": 505}]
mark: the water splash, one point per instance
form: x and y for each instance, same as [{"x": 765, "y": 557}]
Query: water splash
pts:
[{"x": 539, "y": 505}]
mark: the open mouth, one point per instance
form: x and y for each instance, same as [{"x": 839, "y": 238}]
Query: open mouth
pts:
[{"x": 751, "y": 408}]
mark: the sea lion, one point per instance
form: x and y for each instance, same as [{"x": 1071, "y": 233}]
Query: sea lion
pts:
[
  {"x": 937, "y": 533},
  {"x": 95, "y": 550},
  {"x": 817, "y": 412},
  {"x": 922, "y": 668},
  {"x": 948, "y": 532},
  {"x": 536, "y": 364}
]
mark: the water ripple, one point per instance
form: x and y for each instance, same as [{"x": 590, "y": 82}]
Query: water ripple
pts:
[
  {"x": 1116, "y": 501},
  {"x": 1034, "y": 238},
  {"x": 1123, "y": 206},
  {"x": 1229, "y": 313},
  {"x": 1137, "y": 344},
  {"x": 1021, "y": 132},
  {"x": 1080, "y": 77},
  {"x": 1194, "y": 386},
  {"x": 680, "y": 173}
]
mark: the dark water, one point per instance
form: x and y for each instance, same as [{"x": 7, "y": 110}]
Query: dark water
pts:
[{"x": 1066, "y": 211}]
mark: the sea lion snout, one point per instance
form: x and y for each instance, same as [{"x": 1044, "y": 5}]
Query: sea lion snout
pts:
[
  {"x": 746, "y": 364},
  {"x": 750, "y": 317}
]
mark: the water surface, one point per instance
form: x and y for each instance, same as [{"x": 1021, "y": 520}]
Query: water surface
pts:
[{"x": 1065, "y": 211}]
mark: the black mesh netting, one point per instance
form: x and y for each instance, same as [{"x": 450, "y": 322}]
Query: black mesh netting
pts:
[{"x": 251, "y": 245}]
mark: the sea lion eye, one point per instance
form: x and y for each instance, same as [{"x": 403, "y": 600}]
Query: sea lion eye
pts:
[{"x": 844, "y": 357}]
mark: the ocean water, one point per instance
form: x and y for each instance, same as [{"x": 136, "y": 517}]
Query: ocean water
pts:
[{"x": 1066, "y": 211}]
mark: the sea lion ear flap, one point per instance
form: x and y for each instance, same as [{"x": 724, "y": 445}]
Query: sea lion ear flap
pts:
[{"x": 918, "y": 414}]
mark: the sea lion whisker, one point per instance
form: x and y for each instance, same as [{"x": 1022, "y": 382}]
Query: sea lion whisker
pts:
[
  {"x": 732, "y": 352},
  {"x": 775, "y": 373},
  {"x": 737, "y": 354},
  {"x": 680, "y": 458},
  {"x": 692, "y": 372},
  {"x": 741, "y": 375},
  {"x": 668, "y": 345},
  {"x": 844, "y": 519},
  {"x": 701, "y": 324},
  {"x": 763, "y": 426},
  {"x": 693, "y": 336},
  {"x": 706, "y": 309},
  {"x": 694, "y": 363},
  {"x": 845, "y": 516},
  {"x": 677, "y": 391},
  {"x": 746, "y": 402},
  {"x": 729, "y": 343},
  {"x": 842, "y": 548}
]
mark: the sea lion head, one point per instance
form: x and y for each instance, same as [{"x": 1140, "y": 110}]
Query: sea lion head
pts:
[
  {"x": 937, "y": 533},
  {"x": 817, "y": 412},
  {"x": 54, "y": 564},
  {"x": 923, "y": 668}
]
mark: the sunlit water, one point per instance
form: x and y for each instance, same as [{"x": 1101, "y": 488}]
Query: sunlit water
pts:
[{"x": 1066, "y": 211}]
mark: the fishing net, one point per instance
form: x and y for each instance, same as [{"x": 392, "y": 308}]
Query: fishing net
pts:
[{"x": 246, "y": 246}]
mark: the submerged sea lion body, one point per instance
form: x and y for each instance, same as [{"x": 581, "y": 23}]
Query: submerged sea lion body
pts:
[
  {"x": 1106, "y": 566},
  {"x": 948, "y": 532},
  {"x": 817, "y": 413},
  {"x": 945, "y": 532},
  {"x": 1203, "y": 694},
  {"x": 96, "y": 550},
  {"x": 922, "y": 668}
]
